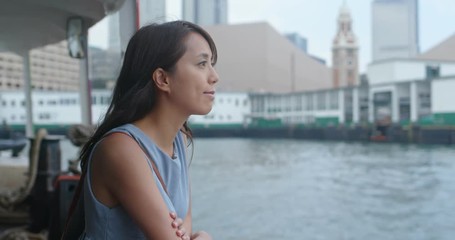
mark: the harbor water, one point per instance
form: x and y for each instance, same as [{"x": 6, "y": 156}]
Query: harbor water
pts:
[
  {"x": 253, "y": 189},
  {"x": 292, "y": 189}
]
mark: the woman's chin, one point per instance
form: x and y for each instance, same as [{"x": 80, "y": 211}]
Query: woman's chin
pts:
[{"x": 204, "y": 111}]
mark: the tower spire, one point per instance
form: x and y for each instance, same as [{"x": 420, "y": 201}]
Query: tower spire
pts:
[{"x": 344, "y": 51}]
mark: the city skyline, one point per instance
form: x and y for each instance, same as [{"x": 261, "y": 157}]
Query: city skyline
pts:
[{"x": 300, "y": 16}]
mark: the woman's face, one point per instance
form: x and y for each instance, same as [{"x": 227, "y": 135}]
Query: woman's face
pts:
[{"x": 192, "y": 85}]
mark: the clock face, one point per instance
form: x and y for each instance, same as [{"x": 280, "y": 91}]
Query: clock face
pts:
[{"x": 75, "y": 35}]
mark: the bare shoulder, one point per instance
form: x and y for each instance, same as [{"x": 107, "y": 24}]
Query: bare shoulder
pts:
[{"x": 118, "y": 151}]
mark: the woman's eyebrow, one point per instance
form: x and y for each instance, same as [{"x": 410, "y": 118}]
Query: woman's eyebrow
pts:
[{"x": 204, "y": 55}]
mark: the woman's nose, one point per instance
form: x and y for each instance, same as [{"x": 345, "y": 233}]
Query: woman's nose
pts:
[{"x": 214, "y": 78}]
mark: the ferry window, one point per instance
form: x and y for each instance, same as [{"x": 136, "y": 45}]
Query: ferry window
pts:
[
  {"x": 104, "y": 100},
  {"x": 236, "y": 102},
  {"x": 245, "y": 102},
  {"x": 44, "y": 116},
  {"x": 40, "y": 102},
  {"x": 13, "y": 103},
  {"x": 13, "y": 117},
  {"x": 23, "y": 103},
  {"x": 3, "y": 103}
]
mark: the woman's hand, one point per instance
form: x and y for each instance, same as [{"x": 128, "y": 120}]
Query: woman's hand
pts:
[
  {"x": 201, "y": 235},
  {"x": 178, "y": 225}
]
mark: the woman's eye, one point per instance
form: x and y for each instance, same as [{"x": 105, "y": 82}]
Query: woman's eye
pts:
[{"x": 202, "y": 64}]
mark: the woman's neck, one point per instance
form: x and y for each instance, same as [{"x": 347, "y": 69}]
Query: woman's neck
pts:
[{"x": 162, "y": 127}]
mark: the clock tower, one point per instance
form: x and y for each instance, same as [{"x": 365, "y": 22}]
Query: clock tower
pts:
[{"x": 345, "y": 51}]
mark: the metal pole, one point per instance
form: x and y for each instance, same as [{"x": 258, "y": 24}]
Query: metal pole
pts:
[
  {"x": 28, "y": 95},
  {"x": 84, "y": 87}
]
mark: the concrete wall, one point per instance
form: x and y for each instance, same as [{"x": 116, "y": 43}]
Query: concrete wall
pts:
[
  {"x": 395, "y": 71},
  {"x": 442, "y": 95},
  {"x": 447, "y": 70},
  {"x": 256, "y": 58}
]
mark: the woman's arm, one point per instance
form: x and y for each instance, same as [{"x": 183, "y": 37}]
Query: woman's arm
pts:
[
  {"x": 121, "y": 175},
  {"x": 200, "y": 235}
]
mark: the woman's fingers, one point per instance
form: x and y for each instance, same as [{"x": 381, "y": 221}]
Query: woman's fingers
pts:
[
  {"x": 181, "y": 232},
  {"x": 178, "y": 224}
]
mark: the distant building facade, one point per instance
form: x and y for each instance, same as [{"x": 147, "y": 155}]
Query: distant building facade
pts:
[
  {"x": 257, "y": 58},
  {"x": 51, "y": 69},
  {"x": 104, "y": 67},
  {"x": 205, "y": 12},
  {"x": 345, "y": 52},
  {"x": 395, "y": 29}
]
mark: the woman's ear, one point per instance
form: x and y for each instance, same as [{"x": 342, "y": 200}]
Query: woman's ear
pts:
[{"x": 161, "y": 79}]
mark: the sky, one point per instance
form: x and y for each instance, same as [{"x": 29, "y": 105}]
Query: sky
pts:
[{"x": 316, "y": 21}]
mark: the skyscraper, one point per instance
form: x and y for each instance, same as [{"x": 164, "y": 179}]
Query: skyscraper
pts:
[
  {"x": 148, "y": 12},
  {"x": 151, "y": 11},
  {"x": 298, "y": 41},
  {"x": 205, "y": 12},
  {"x": 345, "y": 51},
  {"x": 395, "y": 29}
]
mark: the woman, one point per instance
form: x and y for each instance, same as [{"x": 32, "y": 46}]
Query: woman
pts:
[{"x": 167, "y": 75}]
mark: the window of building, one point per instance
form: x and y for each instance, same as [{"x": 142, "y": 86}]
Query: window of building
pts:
[
  {"x": 432, "y": 71},
  {"x": 333, "y": 95},
  {"x": 321, "y": 101}
]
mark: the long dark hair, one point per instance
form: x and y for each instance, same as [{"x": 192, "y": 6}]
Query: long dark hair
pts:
[{"x": 151, "y": 47}]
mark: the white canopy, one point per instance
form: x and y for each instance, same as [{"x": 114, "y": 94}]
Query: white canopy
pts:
[{"x": 28, "y": 24}]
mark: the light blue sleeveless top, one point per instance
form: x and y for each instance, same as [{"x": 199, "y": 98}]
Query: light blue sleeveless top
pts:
[{"x": 103, "y": 223}]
